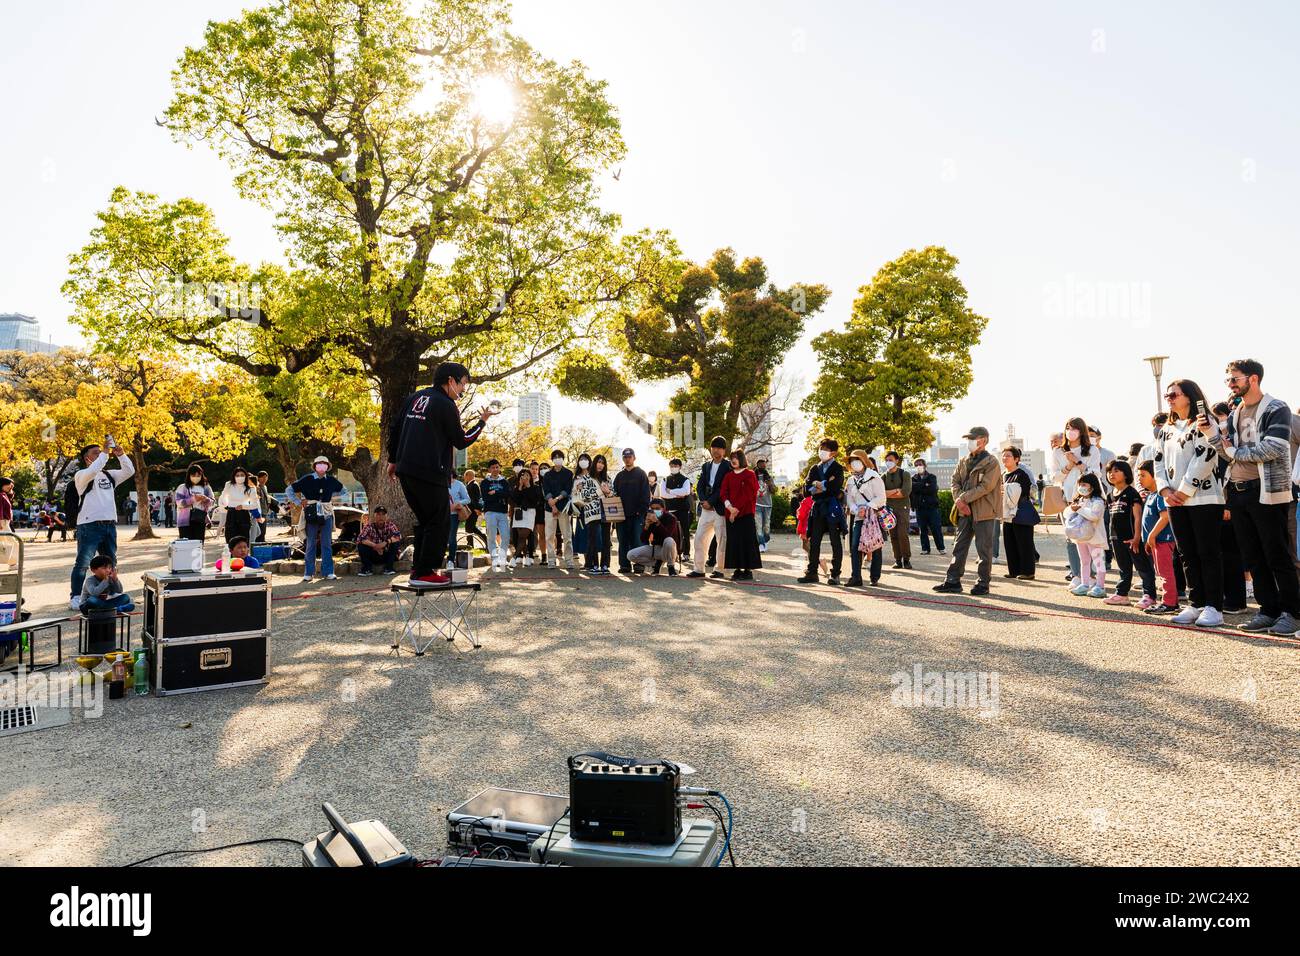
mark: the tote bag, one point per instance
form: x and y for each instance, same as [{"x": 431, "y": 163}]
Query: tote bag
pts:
[
  {"x": 1053, "y": 500},
  {"x": 524, "y": 518},
  {"x": 871, "y": 539},
  {"x": 614, "y": 512}
]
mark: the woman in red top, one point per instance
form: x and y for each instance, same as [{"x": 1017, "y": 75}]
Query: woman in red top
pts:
[{"x": 740, "y": 498}]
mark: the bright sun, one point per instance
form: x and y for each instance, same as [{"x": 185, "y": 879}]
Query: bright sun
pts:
[{"x": 493, "y": 101}]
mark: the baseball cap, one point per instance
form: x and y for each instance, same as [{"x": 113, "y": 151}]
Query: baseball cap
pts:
[
  {"x": 628, "y": 451},
  {"x": 979, "y": 431}
]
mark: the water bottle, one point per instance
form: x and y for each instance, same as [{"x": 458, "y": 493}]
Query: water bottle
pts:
[
  {"x": 225, "y": 558},
  {"x": 141, "y": 672}
]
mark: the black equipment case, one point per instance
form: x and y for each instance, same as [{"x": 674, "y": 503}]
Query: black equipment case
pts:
[{"x": 207, "y": 630}]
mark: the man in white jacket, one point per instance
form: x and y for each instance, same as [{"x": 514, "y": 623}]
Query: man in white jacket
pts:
[{"x": 97, "y": 513}]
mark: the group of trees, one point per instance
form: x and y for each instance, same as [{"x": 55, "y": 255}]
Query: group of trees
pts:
[{"x": 435, "y": 183}]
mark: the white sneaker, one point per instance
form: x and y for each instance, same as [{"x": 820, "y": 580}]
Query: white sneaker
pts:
[
  {"x": 569, "y": 564},
  {"x": 762, "y": 548},
  {"x": 1210, "y": 617},
  {"x": 528, "y": 562},
  {"x": 1188, "y": 615},
  {"x": 75, "y": 603},
  {"x": 1074, "y": 583},
  {"x": 306, "y": 579},
  {"x": 514, "y": 563},
  {"x": 331, "y": 577}
]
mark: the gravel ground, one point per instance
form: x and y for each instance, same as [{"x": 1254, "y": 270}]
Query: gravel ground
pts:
[{"x": 1114, "y": 740}]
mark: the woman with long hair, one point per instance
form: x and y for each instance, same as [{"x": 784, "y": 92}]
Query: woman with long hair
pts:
[
  {"x": 591, "y": 490},
  {"x": 239, "y": 499},
  {"x": 194, "y": 499},
  {"x": 1075, "y": 457},
  {"x": 740, "y": 498},
  {"x": 1186, "y": 478}
]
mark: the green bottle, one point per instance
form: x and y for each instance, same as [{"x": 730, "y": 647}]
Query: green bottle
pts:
[{"x": 141, "y": 672}]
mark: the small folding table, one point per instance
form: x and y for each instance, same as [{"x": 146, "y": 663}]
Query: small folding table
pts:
[{"x": 426, "y": 612}]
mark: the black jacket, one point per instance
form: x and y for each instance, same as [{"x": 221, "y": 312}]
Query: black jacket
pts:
[
  {"x": 496, "y": 494},
  {"x": 633, "y": 489},
  {"x": 712, "y": 493},
  {"x": 831, "y": 473},
  {"x": 558, "y": 484},
  {"x": 925, "y": 491},
  {"x": 422, "y": 436},
  {"x": 530, "y": 497}
]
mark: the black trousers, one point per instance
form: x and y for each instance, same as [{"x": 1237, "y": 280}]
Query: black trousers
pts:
[
  {"x": 1198, "y": 531},
  {"x": 1018, "y": 542},
  {"x": 683, "y": 516},
  {"x": 1234, "y": 568},
  {"x": 430, "y": 503},
  {"x": 1265, "y": 543},
  {"x": 818, "y": 526},
  {"x": 194, "y": 531},
  {"x": 1128, "y": 560}
]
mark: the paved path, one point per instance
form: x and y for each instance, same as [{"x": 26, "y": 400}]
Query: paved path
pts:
[{"x": 1111, "y": 739}]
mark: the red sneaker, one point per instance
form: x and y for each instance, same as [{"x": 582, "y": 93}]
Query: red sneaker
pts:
[{"x": 435, "y": 577}]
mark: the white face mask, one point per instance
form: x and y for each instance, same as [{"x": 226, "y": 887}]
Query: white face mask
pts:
[
  {"x": 557, "y": 462},
  {"x": 858, "y": 467},
  {"x": 825, "y": 455},
  {"x": 544, "y": 471},
  {"x": 890, "y": 465},
  {"x": 1072, "y": 435},
  {"x": 584, "y": 463},
  {"x": 518, "y": 468},
  {"x": 321, "y": 469}
]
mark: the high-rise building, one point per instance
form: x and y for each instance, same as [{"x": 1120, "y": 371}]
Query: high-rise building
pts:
[
  {"x": 22, "y": 332},
  {"x": 535, "y": 408}
]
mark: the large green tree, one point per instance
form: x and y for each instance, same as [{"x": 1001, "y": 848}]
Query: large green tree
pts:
[
  {"x": 721, "y": 328},
  {"x": 903, "y": 358},
  {"x": 434, "y": 181}
]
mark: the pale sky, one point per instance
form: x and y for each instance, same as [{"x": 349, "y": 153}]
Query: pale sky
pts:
[{"x": 1117, "y": 179}]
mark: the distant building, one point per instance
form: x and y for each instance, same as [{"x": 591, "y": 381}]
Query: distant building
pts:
[
  {"x": 535, "y": 408},
  {"x": 941, "y": 461},
  {"x": 22, "y": 332},
  {"x": 1034, "y": 459}
]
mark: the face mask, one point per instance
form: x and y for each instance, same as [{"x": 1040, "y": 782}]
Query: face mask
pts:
[
  {"x": 321, "y": 469},
  {"x": 557, "y": 462},
  {"x": 544, "y": 471},
  {"x": 676, "y": 471},
  {"x": 858, "y": 467},
  {"x": 584, "y": 463},
  {"x": 890, "y": 465},
  {"x": 658, "y": 513},
  {"x": 518, "y": 469},
  {"x": 824, "y": 455},
  {"x": 1072, "y": 435}
]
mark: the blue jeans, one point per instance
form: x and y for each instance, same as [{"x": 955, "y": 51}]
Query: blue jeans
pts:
[
  {"x": 121, "y": 603},
  {"x": 763, "y": 515},
  {"x": 1072, "y": 553},
  {"x": 322, "y": 536},
  {"x": 629, "y": 537},
  {"x": 93, "y": 537},
  {"x": 930, "y": 522},
  {"x": 498, "y": 523},
  {"x": 855, "y": 556}
]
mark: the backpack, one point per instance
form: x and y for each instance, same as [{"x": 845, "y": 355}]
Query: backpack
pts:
[{"x": 71, "y": 502}]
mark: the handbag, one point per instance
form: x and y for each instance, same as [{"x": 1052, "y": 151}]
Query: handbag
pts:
[
  {"x": 872, "y": 539},
  {"x": 888, "y": 520},
  {"x": 614, "y": 511},
  {"x": 1053, "y": 500},
  {"x": 1026, "y": 513}
]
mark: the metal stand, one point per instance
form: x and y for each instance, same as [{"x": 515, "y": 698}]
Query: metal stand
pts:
[{"x": 444, "y": 608}]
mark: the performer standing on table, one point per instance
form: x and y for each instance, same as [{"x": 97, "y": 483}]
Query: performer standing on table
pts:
[{"x": 420, "y": 443}]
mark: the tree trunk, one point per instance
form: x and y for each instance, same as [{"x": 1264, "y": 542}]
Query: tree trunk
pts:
[
  {"x": 398, "y": 379},
  {"x": 144, "y": 530}
]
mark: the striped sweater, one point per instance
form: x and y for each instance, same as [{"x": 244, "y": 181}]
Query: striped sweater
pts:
[{"x": 1272, "y": 450}]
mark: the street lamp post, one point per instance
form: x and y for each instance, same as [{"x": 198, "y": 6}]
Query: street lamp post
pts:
[{"x": 1157, "y": 368}]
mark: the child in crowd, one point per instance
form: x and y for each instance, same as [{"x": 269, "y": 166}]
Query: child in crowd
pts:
[
  {"x": 102, "y": 591},
  {"x": 1091, "y": 504},
  {"x": 239, "y": 549},
  {"x": 1124, "y": 505},
  {"x": 1158, "y": 539}
]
